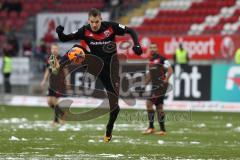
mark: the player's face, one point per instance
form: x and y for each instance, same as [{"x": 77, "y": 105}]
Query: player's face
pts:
[
  {"x": 153, "y": 48},
  {"x": 54, "y": 50},
  {"x": 95, "y": 22}
]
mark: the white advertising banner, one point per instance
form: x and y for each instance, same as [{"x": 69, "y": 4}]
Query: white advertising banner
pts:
[
  {"x": 87, "y": 102},
  {"x": 47, "y": 22},
  {"x": 20, "y": 71}
]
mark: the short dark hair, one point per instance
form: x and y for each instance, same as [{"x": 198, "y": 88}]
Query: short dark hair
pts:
[
  {"x": 94, "y": 12},
  {"x": 153, "y": 43}
]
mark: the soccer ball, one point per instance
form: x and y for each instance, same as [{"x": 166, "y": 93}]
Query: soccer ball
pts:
[{"x": 76, "y": 55}]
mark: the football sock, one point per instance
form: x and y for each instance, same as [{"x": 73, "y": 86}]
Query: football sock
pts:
[
  {"x": 151, "y": 119},
  {"x": 55, "y": 118},
  {"x": 112, "y": 119},
  {"x": 161, "y": 120},
  {"x": 59, "y": 111}
]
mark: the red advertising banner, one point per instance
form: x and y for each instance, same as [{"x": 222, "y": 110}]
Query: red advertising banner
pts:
[{"x": 198, "y": 47}]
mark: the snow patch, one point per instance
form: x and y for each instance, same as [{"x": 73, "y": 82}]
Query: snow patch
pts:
[
  {"x": 13, "y": 138},
  {"x": 13, "y": 120},
  {"x": 71, "y": 138},
  {"x": 201, "y": 125},
  {"x": 161, "y": 142},
  {"x": 229, "y": 125},
  {"x": 111, "y": 155},
  {"x": 179, "y": 142},
  {"x": 116, "y": 140},
  {"x": 194, "y": 142},
  {"x": 91, "y": 141},
  {"x": 237, "y": 129}
]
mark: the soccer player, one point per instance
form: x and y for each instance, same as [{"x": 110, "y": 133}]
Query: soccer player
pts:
[
  {"x": 100, "y": 37},
  {"x": 57, "y": 86},
  {"x": 159, "y": 73}
]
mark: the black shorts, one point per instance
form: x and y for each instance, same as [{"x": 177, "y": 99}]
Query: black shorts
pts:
[
  {"x": 157, "y": 100},
  {"x": 54, "y": 93},
  {"x": 110, "y": 79},
  {"x": 158, "y": 95}
]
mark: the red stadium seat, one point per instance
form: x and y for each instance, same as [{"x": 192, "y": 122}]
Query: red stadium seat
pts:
[
  {"x": 24, "y": 15},
  {"x": 13, "y": 15},
  {"x": 3, "y": 15}
]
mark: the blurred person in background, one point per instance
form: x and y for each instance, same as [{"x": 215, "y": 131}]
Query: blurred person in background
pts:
[
  {"x": 237, "y": 56},
  {"x": 160, "y": 71},
  {"x": 27, "y": 48},
  {"x": 12, "y": 6},
  {"x": 13, "y": 42},
  {"x": 57, "y": 86},
  {"x": 41, "y": 51},
  {"x": 6, "y": 69},
  {"x": 115, "y": 8},
  {"x": 181, "y": 55},
  {"x": 49, "y": 37},
  {"x": 3, "y": 38}
]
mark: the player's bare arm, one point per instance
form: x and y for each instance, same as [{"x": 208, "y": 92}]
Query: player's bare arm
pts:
[
  {"x": 169, "y": 73},
  {"x": 45, "y": 77},
  {"x": 147, "y": 78}
]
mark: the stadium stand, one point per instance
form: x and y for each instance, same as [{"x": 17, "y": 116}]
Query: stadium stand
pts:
[
  {"x": 17, "y": 20},
  {"x": 193, "y": 17}
]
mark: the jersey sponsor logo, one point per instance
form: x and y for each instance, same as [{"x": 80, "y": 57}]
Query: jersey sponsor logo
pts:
[
  {"x": 100, "y": 36},
  {"x": 100, "y": 43}
]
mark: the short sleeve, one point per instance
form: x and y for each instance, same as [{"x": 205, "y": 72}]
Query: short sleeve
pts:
[{"x": 166, "y": 64}]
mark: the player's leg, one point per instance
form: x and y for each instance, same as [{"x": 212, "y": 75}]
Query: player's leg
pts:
[
  {"x": 52, "y": 104},
  {"x": 110, "y": 79},
  {"x": 114, "y": 108},
  {"x": 7, "y": 85},
  {"x": 160, "y": 115},
  {"x": 150, "y": 111},
  {"x": 59, "y": 113}
]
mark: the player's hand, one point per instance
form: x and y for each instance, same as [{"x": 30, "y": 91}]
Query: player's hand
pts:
[
  {"x": 137, "y": 49},
  {"x": 165, "y": 81},
  {"x": 59, "y": 29}
]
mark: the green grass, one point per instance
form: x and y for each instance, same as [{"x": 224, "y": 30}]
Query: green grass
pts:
[{"x": 192, "y": 135}]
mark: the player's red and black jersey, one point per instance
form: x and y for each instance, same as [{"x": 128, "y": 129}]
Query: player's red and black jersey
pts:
[
  {"x": 56, "y": 81},
  {"x": 156, "y": 69},
  {"x": 101, "y": 43}
]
